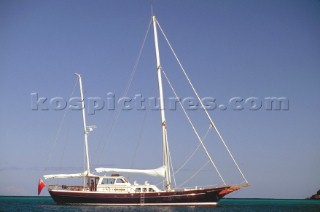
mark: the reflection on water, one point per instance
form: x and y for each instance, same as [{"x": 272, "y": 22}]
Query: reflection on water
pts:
[{"x": 47, "y": 204}]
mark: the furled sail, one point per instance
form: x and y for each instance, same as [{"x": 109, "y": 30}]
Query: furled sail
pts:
[
  {"x": 159, "y": 172},
  {"x": 77, "y": 175}
]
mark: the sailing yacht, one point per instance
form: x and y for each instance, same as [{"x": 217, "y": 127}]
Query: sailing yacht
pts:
[{"x": 115, "y": 189}]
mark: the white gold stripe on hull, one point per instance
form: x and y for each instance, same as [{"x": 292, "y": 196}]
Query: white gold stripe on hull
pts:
[{"x": 151, "y": 204}]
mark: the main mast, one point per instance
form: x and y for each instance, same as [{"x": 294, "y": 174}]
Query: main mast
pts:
[
  {"x": 163, "y": 118},
  {"x": 85, "y": 128}
]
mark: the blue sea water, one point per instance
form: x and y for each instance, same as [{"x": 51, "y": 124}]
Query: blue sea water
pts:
[{"x": 47, "y": 204}]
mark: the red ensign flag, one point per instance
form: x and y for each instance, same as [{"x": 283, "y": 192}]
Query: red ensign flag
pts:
[{"x": 41, "y": 185}]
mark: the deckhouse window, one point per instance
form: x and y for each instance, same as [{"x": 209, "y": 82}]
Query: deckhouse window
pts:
[
  {"x": 120, "y": 181},
  {"x": 108, "y": 181},
  {"x": 138, "y": 189}
]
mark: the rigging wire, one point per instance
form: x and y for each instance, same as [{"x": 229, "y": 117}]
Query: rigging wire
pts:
[
  {"x": 170, "y": 161},
  {"x": 195, "y": 130},
  {"x": 140, "y": 135},
  {"x": 125, "y": 92},
  {"x": 84, "y": 164},
  {"x": 193, "y": 153},
  {"x": 171, "y": 166},
  {"x": 55, "y": 141},
  {"x": 64, "y": 148},
  {"x": 199, "y": 99},
  {"x": 139, "y": 141},
  {"x": 139, "y": 138},
  {"x": 195, "y": 174}
]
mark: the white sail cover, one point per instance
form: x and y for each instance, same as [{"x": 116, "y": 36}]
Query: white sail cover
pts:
[
  {"x": 159, "y": 172},
  {"x": 77, "y": 175}
]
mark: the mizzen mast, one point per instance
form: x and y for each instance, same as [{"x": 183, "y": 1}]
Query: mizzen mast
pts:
[
  {"x": 166, "y": 158},
  {"x": 85, "y": 127}
]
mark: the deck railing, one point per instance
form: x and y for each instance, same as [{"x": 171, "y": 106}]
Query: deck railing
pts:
[{"x": 70, "y": 188}]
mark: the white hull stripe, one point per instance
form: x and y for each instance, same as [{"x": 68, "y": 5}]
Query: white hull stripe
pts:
[
  {"x": 173, "y": 195},
  {"x": 153, "y": 204}
]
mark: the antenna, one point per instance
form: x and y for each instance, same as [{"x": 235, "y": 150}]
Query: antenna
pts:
[{"x": 151, "y": 8}]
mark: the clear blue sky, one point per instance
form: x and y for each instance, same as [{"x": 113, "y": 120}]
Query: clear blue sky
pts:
[{"x": 229, "y": 48}]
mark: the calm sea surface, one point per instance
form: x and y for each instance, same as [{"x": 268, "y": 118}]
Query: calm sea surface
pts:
[{"x": 47, "y": 204}]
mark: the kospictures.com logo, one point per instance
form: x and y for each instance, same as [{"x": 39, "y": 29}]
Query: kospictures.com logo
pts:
[{"x": 139, "y": 102}]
